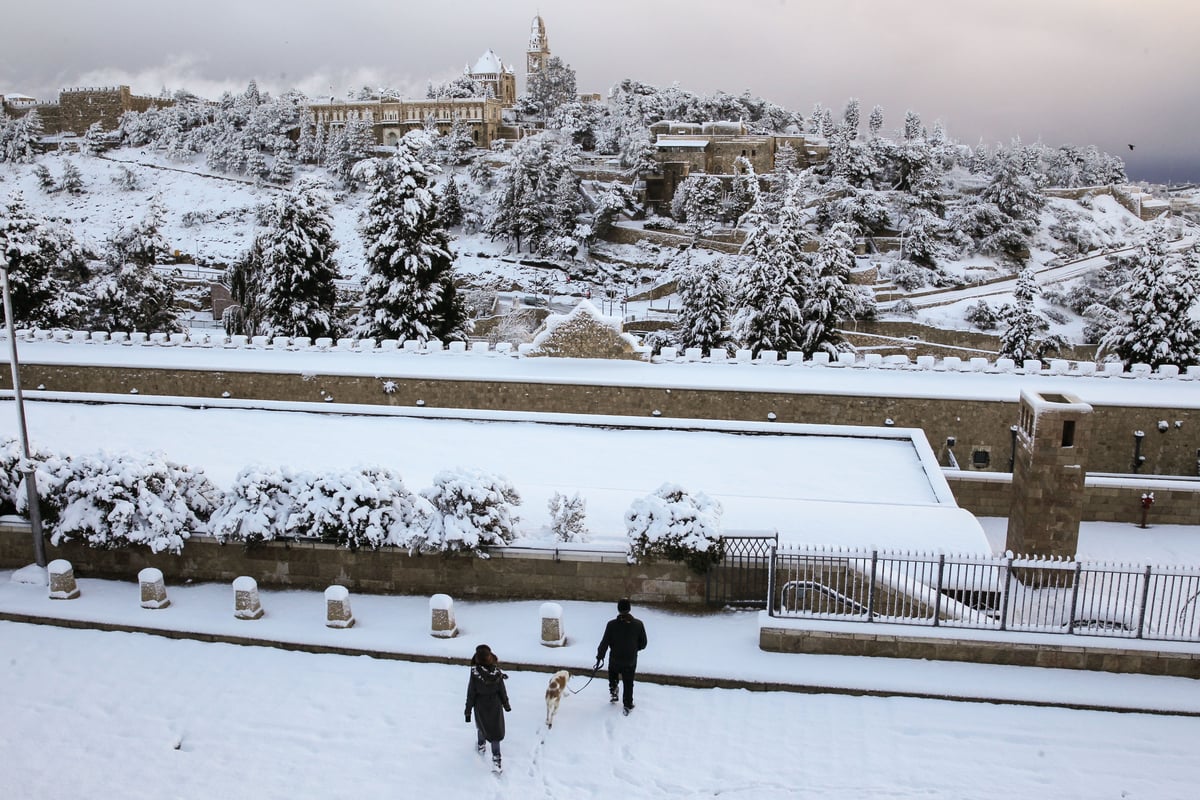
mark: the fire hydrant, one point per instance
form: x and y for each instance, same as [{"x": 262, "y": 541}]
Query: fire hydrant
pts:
[{"x": 1147, "y": 501}]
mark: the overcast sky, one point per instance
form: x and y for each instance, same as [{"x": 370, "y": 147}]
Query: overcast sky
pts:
[{"x": 1104, "y": 72}]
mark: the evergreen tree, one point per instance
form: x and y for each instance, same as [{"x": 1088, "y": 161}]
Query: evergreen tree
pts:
[
  {"x": 45, "y": 180},
  {"x": 72, "y": 179},
  {"x": 298, "y": 266},
  {"x": 347, "y": 147},
  {"x": 92, "y": 143},
  {"x": 831, "y": 297},
  {"x": 743, "y": 194},
  {"x": 851, "y": 117},
  {"x": 768, "y": 291},
  {"x": 552, "y": 86},
  {"x": 701, "y": 204},
  {"x": 1022, "y": 338},
  {"x": 450, "y": 210},
  {"x": 912, "y": 125},
  {"x": 45, "y": 267},
  {"x": 704, "y": 307},
  {"x": 458, "y": 144},
  {"x": 245, "y": 278},
  {"x": 408, "y": 292},
  {"x": 306, "y": 141},
  {"x": 141, "y": 242},
  {"x": 1155, "y": 322},
  {"x": 875, "y": 123},
  {"x": 133, "y": 297}
]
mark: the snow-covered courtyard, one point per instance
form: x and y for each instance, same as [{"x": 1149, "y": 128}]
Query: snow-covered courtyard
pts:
[{"x": 147, "y": 717}]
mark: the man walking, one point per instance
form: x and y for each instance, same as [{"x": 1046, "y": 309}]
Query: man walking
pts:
[{"x": 624, "y": 636}]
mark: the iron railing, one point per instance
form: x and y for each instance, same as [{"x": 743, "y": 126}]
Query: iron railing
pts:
[
  {"x": 743, "y": 575},
  {"x": 987, "y": 593}
]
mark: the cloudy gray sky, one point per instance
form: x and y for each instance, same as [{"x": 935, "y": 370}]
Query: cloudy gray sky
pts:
[{"x": 1104, "y": 72}]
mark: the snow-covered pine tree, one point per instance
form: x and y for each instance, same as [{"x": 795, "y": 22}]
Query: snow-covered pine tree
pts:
[
  {"x": 744, "y": 191},
  {"x": 306, "y": 141},
  {"x": 767, "y": 291},
  {"x": 1023, "y": 335},
  {"x": 45, "y": 180},
  {"x": 851, "y": 117},
  {"x": 450, "y": 209},
  {"x": 347, "y": 147},
  {"x": 458, "y": 145},
  {"x": 45, "y": 267},
  {"x": 552, "y": 86},
  {"x": 567, "y": 517},
  {"x": 72, "y": 179},
  {"x": 875, "y": 122},
  {"x": 1155, "y": 321},
  {"x": 298, "y": 264},
  {"x": 408, "y": 292},
  {"x": 283, "y": 165},
  {"x": 704, "y": 299},
  {"x": 912, "y": 125},
  {"x": 93, "y": 140},
  {"x": 702, "y": 204},
  {"x": 831, "y": 297}
]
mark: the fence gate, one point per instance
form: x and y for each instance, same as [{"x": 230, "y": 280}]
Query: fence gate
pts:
[{"x": 742, "y": 578}]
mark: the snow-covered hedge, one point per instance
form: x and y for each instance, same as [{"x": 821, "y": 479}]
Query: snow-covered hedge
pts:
[
  {"x": 675, "y": 525},
  {"x": 473, "y": 509},
  {"x": 567, "y": 517},
  {"x": 258, "y": 505},
  {"x": 367, "y": 507},
  {"x": 12, "y": 479},
  {"x": 113, "y": 501}
]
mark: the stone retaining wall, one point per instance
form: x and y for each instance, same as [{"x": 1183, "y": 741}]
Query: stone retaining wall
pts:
[
  {"x": 309, "y": 565},
  {"x": 1103, "y": 657}
]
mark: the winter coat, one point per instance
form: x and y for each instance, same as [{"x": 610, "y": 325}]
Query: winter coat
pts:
[
  {"x": 625, "y": 636},
  {"x": 487, "y": 698}
]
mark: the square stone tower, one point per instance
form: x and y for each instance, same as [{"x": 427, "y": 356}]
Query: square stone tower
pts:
[{"x": 1053, "y": 437}]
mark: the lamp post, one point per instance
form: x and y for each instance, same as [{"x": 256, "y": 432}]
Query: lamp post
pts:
[{"x": 35, "y": 511}]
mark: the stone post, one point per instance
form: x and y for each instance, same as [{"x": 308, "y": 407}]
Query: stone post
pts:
[
  {"x": 246, "y": 604},
  {"x": 441, "y": 616},
  {"x": 337, "y": 607},
  {"x": 1052, "y": 440},
  {"x": 552, "y": 625},
  {"x": 154, "y": 593},
  {"x": 62, "y": 580}
]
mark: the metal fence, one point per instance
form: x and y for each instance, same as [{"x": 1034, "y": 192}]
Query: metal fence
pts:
[
  {"x": 988, "y": 593},
  {"x": 743, "y": 575}
]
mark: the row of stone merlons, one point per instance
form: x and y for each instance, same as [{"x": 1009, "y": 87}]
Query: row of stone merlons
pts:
[{"x": 338, "y": 614}]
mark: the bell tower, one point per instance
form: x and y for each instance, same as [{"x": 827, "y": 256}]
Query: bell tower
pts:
[{"x": 539, "y": 48}]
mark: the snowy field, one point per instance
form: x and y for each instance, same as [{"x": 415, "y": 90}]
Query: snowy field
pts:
[
  {"x": 823, "y": 489},
  {"x": 144, "y": 717}
]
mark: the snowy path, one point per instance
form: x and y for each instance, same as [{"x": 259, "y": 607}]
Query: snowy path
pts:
[{"x": 91, "y": 714}]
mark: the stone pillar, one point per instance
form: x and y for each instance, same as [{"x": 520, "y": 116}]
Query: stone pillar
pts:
[
  {"x": 1052, "y": 441},
  {"x": 246, "y": 604},
  {"x": 62, "y": 580},
  {"x": 154, "y": 593},
  {"x": 441, "y": 617},
  {"x": 337, "y": 607},
  {"x": 552, "y": 625}
]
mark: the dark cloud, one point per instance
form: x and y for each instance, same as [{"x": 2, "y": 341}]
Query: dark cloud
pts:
[{"x": 1106, "y": 72}]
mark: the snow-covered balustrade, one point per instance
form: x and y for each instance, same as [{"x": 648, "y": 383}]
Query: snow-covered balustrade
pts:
[
  {"x": 138, "y": 337},
  {"x": 1140, "y": 370},
  {"x": 412, "y": 346},
  {"x": 1059, "y": 366},
  {"x": 158, "y": 339},
  {"x": 952, "y": 363},
  {"x": 441, "y": 617},
  {"x": 846, "y": 359},
  {"x": 323, "y": 343},
  {"x": 768, "y": 356},
  {"x": 389, "y": 345},
  {"x": 246, "y": 602},
  {"x": 744, "y": 355},
  {"x": 978, "y": 364},
  {"x": 433, "y": 346},
  {"x": 153, "y": 590},
  {"x": 669, "y": 354},
  {"x": 346, "y": 343},
  {"x": 119, "y": 337},
  {"x": 99, "y": 337},
  {"x": 1085, "y": 368},
  {"x": 61, "y": 336},
  {"x": 926, "y": 362},
  {"x": 479, "y": 348},
  {"x": 79, "y": 337},
  {"x": 693, "y": 354},
  {"x": 795, "y": 357},
  {"x": 457, "y": 348},
  {"x": 62, "y": 580},
  {"x": 238, "y": 340},
  {"x": 1168, "y": 371},
  {"x": 1032, "y": 366},
  {"x": 302, "y": 342},
  {"x": 280, "y": 342},
  {"x": 337, "y": 607},
  {"x": 553, "y": 634},
  {"x": 177, "y": 339},
  {"x": 820, "y": 359},
  {"x": 1192, "y": 374},
  {"x": 873, "y": 360}
]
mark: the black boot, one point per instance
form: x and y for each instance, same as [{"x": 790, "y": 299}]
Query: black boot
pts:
[{"x": 612, "y": 694}]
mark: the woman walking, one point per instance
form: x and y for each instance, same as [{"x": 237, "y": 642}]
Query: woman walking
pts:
[{"x": 488, "y": 699}]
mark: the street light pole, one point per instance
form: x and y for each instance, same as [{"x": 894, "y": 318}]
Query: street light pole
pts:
[{"x": 35, "y": 511}]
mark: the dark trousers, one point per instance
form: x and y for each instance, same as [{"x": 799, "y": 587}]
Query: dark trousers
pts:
[
  {"x": 482, "y": 737},
  {"x": 623, "y": 673}
]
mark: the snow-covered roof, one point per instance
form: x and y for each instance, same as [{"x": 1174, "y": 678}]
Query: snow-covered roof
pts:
[
  {"x": 488, "y": 63},
  {"x": 673, "y": 141}
]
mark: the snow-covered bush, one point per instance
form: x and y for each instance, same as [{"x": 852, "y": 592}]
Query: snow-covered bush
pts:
[
  {"x": 473, "y": 509},
  {"x": 567, "y": 517},
  {"x": 12, "y": 489},
  {"x": 366, "y": 507},
  {"x": 676, "y": 525},
  {"x": 258, "y": 505},
  {"x": 113, "y": 501},
  {"x": 981, "y": 315}
]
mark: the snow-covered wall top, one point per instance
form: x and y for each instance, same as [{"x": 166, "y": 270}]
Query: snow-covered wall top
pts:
[{"x": 871, "y": 374}]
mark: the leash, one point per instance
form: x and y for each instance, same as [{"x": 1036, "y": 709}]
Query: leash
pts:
[{"x": 591, "y": 678}]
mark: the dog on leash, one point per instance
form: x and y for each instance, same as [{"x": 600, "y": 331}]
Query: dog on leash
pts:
[{"x": 554, "y": 694}]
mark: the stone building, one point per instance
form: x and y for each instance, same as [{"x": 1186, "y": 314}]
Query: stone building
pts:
[
  {"x": 496, "y": 77},
  {"x": 683, "y": 148},
  {"x": 77, "y": 109},
  {"x": 391, "y": 119},
  {"x": 539, "y": 49}
]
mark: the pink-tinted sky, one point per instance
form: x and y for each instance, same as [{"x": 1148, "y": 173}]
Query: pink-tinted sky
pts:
[{"x": 1103, "y": 72}]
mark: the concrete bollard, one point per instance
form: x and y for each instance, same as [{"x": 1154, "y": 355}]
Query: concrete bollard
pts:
[
  {"x": 62, "y": 580},
  {"x": 552, "y": 625},
  {"x": 337, "y": 607},
  {"x": 246, "y": 604},
  {"x": 154, "y": 593},
  {"x": 441, "y": 617}
]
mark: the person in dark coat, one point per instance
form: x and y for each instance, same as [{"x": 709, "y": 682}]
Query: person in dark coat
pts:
[
  {"x": 624, "y": 638},
  {"x": 487, "y": 698}
]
